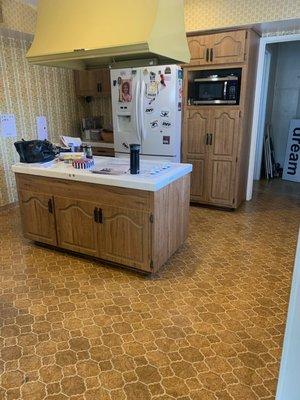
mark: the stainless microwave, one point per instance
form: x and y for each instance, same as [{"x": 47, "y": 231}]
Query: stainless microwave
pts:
[{"x": 215, "y": 89}]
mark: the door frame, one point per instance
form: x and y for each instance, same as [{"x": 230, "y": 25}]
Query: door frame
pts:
[
  {"x": 256, "y": 131},
  {"x": 262, "y": 116}
]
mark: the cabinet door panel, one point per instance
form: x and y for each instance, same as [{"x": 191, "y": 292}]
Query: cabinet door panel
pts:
[
  {"x": 76, "y": 227},
  {"x": 198, "y": 179},
  {"x": 125, "y": 237},
  {"x": 228, "y": 47},
  {"x": 37, "y": 214},
  {"x": 85, "y": 83},
  {"x": 102, "y": 78},
  {"x": 222, "y": 155},
  {"x": 197, "y": 127},
  {"x": 199, "y": 46}
]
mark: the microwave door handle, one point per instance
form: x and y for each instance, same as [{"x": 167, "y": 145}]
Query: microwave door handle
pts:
[
  {"x": 142, "y": 124},
  {"x": 225, "y": 90}
]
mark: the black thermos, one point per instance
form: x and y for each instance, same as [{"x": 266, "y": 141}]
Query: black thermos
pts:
[{"x": 135, "y": 158}]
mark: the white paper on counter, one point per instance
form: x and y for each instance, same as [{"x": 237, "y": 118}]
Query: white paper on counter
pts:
[{"x": 67, "y": 140}]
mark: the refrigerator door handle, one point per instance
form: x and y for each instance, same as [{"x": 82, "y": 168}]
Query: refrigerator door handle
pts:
[
  {"x": 143, "y": 130},
  {"x": 137, "y": 115}
]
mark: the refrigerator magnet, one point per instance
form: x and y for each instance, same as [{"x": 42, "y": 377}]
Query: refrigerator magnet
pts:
[
  {"x": 162, "y": 80},
  {"x": 166, "y": 139},
  {"x": 153, "y": 124},
  {"x": 152, "y": 89},
  {"x": 149, "y": 110},
  {"x": 165, "y": 113},
  {"x": 166, "y": 124},
  {"x": 167, "y": 70}
]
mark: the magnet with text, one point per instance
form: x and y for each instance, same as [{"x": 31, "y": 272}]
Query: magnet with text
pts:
[
  {"x": 166, "y": 124},
  {"x": 149, "y": 110}
]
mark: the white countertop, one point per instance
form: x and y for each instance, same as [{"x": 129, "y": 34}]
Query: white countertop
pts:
[{"x": 154, "y": 175}]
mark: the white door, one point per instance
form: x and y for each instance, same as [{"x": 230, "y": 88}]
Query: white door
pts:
[
  {"x": 160, "y": 110},
  {"x": 125, "y": 89}
]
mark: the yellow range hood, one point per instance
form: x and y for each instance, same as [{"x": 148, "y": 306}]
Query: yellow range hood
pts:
[{"x": 81, "y": 34}]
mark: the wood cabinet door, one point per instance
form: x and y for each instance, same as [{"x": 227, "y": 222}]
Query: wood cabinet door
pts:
[
  {"x": 198, "y": 179},
  {"x": 37, "y": 215},
  {"x": 228, "y": 47},
  {"x": 222, "y": 155},
  {"x": 76, "y": 226},
  {"x": 125, "y": 237},
  {"x": 102, "y": 79},
  {"x": 199, "y": 49},
  {"x": 85, "y": 83},
  {"x": 197, "y": 125},
  {"x": 196, "y": 128}
]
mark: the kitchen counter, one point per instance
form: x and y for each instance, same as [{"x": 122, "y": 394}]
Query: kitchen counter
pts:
[
  {"x": 137, "y": 221},
  {"x": 154, "y": 175}
]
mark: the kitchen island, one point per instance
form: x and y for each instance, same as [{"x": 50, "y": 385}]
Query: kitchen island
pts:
[{"x": 137, "y": 221}]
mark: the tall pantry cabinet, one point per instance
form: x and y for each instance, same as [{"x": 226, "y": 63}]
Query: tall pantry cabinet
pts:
[{"x": 216, "y": 138}]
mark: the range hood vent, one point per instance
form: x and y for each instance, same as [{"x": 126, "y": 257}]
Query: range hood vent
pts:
[{"x": 83, "y": 34}]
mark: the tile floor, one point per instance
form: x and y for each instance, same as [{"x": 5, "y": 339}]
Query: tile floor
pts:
[{"x": 209, "y": 326}]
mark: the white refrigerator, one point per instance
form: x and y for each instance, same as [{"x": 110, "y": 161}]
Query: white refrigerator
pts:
[{"x": 146, "y": 105}]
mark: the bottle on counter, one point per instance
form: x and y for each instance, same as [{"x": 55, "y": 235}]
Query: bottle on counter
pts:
[
  {"x": 88, "y": 151},
  {"x": 135, "y": 159}
]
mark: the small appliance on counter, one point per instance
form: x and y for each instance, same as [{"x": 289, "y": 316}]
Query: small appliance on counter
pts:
[
  {"x": 135, "y": 158},
  {"x": 35, "y": 151}
]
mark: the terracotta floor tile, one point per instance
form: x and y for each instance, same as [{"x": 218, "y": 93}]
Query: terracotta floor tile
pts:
[{"x": 208, "y": 326}]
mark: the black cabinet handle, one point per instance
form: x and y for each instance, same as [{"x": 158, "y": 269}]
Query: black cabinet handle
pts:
[
  {"x": 100, "y": 216},
  {"x": 211, "y": 54},
  {"x": 99, "y": 87},
  {"x": 211, "y": 138},
  {"x": 50, "y": 206},
  {"x": 206, "y": 142},
  {"x": 96, "y": 215},
  {"x": 207, "y": 55}
]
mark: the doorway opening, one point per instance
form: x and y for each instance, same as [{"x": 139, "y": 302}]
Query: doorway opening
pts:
[{"x": 275, "y": 144}]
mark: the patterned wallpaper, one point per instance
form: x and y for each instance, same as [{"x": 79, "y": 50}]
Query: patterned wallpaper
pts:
[
  {"x": 212, "y": 14},
  {"x": 18, "y": 16},
  {"x": 29, "y": 91}
]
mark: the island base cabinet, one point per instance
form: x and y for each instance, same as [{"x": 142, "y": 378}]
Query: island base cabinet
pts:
[
  {"x": 37, "y": 216},
  {"x": 76, "y": 227},
  {"x": 134, "y": 228},
  {"x": 124, "y": 237}
]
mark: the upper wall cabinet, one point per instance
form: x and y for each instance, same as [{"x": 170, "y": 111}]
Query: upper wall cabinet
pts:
[
  {"x": 218, "y": 48},
  {"x": 93, "y": 83},
  {"x": 228, "y": 47},
  {"x": 199, "y": 48}
]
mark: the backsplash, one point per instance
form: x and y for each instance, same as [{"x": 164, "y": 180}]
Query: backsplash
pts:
[
  {"x": 213, "y": 14},
  {"x": 27, "y": 92}
]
